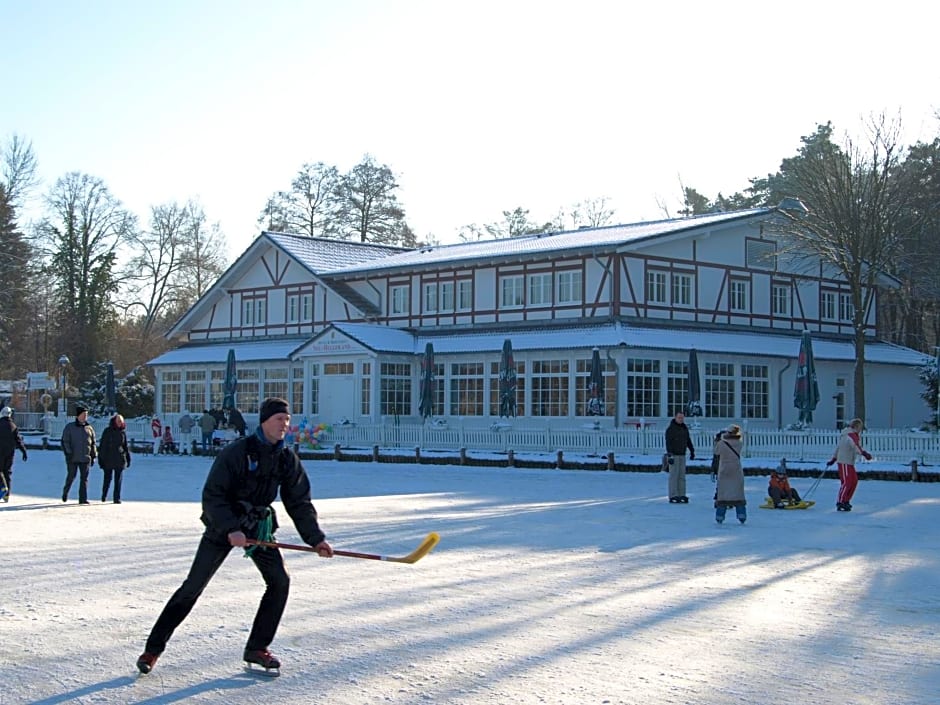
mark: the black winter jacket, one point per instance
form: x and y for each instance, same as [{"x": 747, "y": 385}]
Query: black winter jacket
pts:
[
  {"x": 10, "y": 438},
  {"x": 678, "y": 439},
  {"x": 113, "y": 453},
  {"x": 245, "y": 479},
  {"x": 78, "y": 442}
]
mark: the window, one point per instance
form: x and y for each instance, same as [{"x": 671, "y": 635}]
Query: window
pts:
[
  {"x": 365, "y": 400},
  {"x": 171, "y": 392},
  {"x": 293, "y": 308},
  {"x": 719, "y": 390},
  {"x": 755, "y": 392},
  {"x": 761, "y": 254},
  {"x": 677, "y": 386},
  {"x": 306, "y": 308},
  {"x": 194, "y": 396},
  {"x": 643, "y": 395},
  {"x": 846, "y": 309},
  {"x": 338, "y": 368},
  {"x": 780, "y": 300},
  {"x": 216, "y": 388},
  {"x": 446, "y": 296},
  {"x": 550, "y": 388},
  {"x": 827, "y": 305},
  {"x": 540, "y": 289},
  {"x": 737, "y": 295},
  {"x": 249, "y": 382},
  {"x": 399, "y": 300},
  {"x": 466, "y": 389},
  {"x": 430, "y": 298},
  {"x": 261, "y": 310},
  {"x": 315, "y": 389},
  {"x": 254, "y": 310},
  {"x": 608, "y": 390},
  {"x": 248, "y": 311},
  {"x": 395, "y": 390},
  {"x": 511, "y": 292},
  {"x": 465, "y": 295},
  {"x": 682, "y": 289},
  {"x": 656, "y": 287},
  {"x": 569, "y": 287},
  {"x": 297, "y": 390},
  {"x": 520, "y": 388},
  {"x": 275, "y": 383}
]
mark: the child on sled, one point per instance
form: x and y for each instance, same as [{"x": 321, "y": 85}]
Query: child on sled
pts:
[{"x": 779, "y": 488}]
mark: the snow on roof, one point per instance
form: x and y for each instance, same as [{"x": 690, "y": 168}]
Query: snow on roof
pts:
[
  {"x": 324, "y": 254},
  {"x": 584, "y": 337},
  {"x": 589, "y": 238},
  {"x": 216, "y": 352}
]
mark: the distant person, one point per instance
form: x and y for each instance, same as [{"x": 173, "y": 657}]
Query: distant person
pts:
[
  {"x": 730, "y": 491},
  {"x": 779, "y": 489},
  {"x": 237, "y": 421},
  {"x": 246, "y": 477},
  {"x": 10, "y": 442},
  {"x": 846, "y": 455},
  {"x": 113, "y": 456},
  {"x": 78, "y": 444},
  {"x": 168, "y": 445},
  {"x": 207, "y": 425},
  {"x": 156, "y": 428},
  {"x": 186, "y": 423},
  {"x": 678, "y": 440}
]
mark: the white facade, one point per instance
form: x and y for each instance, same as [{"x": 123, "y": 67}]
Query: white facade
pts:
[{"x": 338, "y": 328}]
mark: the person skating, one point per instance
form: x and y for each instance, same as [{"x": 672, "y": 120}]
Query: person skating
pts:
[
  {"x": 678, "y": 440},
  {"x": 78, "y": 445},
  {"x": 730, "y": 490},
  {"x": 244, "y": 480},
  {"x": 10, "y": 442},
  {"x": 113, "y": 456},
  {"x": 846, "y": 455}
]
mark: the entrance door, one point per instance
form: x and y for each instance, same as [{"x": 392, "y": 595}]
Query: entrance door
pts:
[{"x": 338, "y": 397}]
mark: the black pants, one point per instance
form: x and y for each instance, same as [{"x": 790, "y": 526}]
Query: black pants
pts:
[
  {"x": 74, "y": 469},
  {"x": 209, "y": 556},
  {"x": 118, "y": 474},
  {"x": 6, "y": 469},
  {"x": 777, "y": 496}
]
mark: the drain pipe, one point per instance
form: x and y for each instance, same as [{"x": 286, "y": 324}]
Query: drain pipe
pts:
[{"x": 780, "y": 395}]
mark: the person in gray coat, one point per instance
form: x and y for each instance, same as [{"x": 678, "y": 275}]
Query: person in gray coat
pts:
[
  {"x": 78, "y": 444},
  {"x": 730, "y": 491}
]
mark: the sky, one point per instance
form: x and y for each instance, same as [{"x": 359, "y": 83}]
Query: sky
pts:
[
  {"x": 547, "y": 588},
  {"x": 477, "y": 109}
]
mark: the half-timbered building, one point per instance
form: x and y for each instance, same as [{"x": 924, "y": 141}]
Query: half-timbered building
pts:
[{"x": 338, "y": 328}]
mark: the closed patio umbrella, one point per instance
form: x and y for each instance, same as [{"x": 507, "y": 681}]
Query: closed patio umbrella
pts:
[
  {"x": 595, "y": 404},
  {"x": 806, "y": 390},
  {"x": 426, "y": 398},
  {"x": 231, "y": 381},
  {"x": 507, "y": 381},
  {"x": 694, "y": 406}
]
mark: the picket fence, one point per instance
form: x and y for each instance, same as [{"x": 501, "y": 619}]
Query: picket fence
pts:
[{"x": 894, "y": 446}]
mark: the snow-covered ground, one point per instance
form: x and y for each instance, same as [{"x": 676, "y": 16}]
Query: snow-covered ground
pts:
[{"x": 563, "y": 587}]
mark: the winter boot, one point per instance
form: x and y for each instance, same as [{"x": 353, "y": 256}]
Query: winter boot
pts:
[
  {"x": 264, "y": 658},
  {"x": 720, "y": 514},
  {"x": 146, "y": 662},
  {"x": 742, "y": 513}
]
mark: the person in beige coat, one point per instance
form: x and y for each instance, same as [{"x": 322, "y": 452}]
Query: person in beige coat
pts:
[{"x": 730, "y": 492}]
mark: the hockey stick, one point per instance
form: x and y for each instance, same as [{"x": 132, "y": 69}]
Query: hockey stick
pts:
[{"x": 430, "y": 541}]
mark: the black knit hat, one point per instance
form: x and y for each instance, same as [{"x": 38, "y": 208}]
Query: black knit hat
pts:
[
  {"x": 79, "y": 410},
  {"x": 272, "y": 406}
]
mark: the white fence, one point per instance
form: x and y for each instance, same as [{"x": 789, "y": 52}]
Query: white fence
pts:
[{"x": 810, "y": 445}]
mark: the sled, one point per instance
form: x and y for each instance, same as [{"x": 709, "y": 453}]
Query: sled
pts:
[{"x": 802, "y": 504}]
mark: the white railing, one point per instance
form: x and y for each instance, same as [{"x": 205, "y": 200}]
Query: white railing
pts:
[{"x": 811, "y": 444}]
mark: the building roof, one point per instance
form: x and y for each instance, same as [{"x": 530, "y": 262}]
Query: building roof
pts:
[
  {"x": 217, "y": 352},
  {"x": 321, "y": 255}
]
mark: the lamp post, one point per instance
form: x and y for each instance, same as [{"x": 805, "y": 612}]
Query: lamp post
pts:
[{"x": 63, "y": 363}]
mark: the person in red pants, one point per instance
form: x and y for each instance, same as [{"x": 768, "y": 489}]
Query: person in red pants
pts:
[{"x": 846, "y": 454}]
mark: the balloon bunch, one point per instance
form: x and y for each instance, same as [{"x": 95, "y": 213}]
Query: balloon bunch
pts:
[{"x": 307, "y": 435}]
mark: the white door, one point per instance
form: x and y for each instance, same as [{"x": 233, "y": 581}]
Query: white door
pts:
[{"x": 338, "y": 398}]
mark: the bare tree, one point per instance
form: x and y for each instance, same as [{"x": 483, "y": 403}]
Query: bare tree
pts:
[
  {"x": 311, "y": 205},
  {"x": 591, "y": 213},
  {"x": 856, "y": 219},
  {"x": 20, "y": 170},
  {"x": 369, "y": 207}
]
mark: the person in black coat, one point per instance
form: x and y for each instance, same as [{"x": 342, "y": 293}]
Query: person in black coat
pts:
[
  {"x": 245, "y": 479},
  {"x": 10, "y": 442},
  {"x": 113, "y": 456},
  {"x": 678, "y": 440},
  {"x": 80, "y": 448},
  {"x": 237, "y": 421}
]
